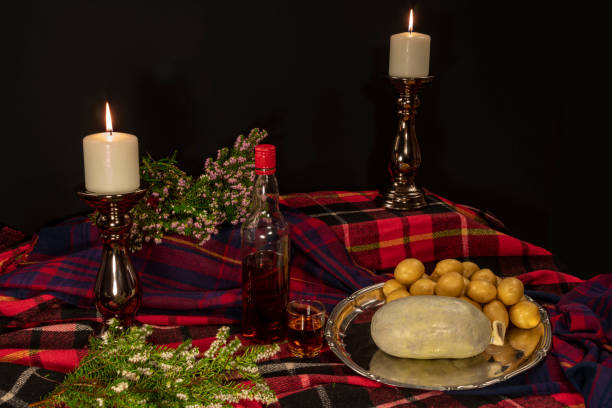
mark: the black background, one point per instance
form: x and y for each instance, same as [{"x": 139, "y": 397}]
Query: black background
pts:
[{"x": 192, "y": 75}]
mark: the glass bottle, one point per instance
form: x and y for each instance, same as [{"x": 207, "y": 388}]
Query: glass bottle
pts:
[{"x": 265, "y": 256}]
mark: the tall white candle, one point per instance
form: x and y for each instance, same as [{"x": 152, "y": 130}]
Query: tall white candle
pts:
[
  {"x": 111, "y": 161},
  {"x": 409, "y": 53}
]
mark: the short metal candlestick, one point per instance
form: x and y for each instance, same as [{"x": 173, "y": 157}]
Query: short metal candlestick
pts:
[
  {"x": 117, "y": 289},
  {"x": 406, "y": 155}
]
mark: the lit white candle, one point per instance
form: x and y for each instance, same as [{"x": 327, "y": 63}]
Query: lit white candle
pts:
[
  {"x": 111, "y": 161},
  {"x": 409, "y": 54}
]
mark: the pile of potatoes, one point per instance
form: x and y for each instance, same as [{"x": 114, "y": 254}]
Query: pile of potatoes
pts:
[{"x": 499, "y": 299}]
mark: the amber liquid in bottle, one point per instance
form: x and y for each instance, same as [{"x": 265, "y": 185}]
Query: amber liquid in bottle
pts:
[
  {"x": 265, "y": 256},
  {"x": 264, "y": 296}
]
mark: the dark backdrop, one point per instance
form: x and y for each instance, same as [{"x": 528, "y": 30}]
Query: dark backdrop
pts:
[{"x": 192, "y": 75}]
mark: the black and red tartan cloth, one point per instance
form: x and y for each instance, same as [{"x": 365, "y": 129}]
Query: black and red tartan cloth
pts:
[{"x": 340, "y": 242}]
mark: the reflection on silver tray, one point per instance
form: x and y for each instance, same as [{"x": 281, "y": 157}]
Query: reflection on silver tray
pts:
[{"x": 348, "y": 335}]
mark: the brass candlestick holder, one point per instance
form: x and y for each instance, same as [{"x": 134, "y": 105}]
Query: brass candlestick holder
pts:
[
  {"x": 117, "y": 290},
  {"x": 406, "y": 155}
]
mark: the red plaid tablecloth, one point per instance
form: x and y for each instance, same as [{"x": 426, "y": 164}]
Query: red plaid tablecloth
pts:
[
  {"x": 46, "y": 310},
  {"x": 378, "y": 238}
]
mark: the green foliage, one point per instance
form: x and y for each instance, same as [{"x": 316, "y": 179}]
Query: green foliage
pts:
[
  {"x": 195, "y": 206},
  {"x": 123, "y": 370}
]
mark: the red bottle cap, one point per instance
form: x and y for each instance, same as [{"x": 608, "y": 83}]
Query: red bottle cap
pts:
[{"x": 265, "y": 159}]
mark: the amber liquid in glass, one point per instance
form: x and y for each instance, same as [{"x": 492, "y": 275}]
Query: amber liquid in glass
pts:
[
  {"x": 264, "y": 297},
  {"x": 305, "y": 335}
]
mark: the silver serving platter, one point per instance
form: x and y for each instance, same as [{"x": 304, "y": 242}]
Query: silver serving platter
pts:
[{"x": 348, "y": 334}]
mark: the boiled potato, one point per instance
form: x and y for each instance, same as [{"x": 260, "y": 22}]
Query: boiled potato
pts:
[
  {"x": 449, "y": 284},
  {"x": 448, "y": 265},
  {"x": 485, "y": 275},
  {"x": 510, "y": 291},
  {"x": 481, "y": 291},
  {"x": 469, "y": 268},
  {"x": 470, "y": 301},
  {"x": 408, "y": 271},
  {"x": 525, "y": 315},
  {"x": 422, "y": 287},
  {"x": 397, "y": 294},
  {"x": 495, "y": 310},
  {"x": 391, "y": 285},
  {"x": 525, "y": 340}
]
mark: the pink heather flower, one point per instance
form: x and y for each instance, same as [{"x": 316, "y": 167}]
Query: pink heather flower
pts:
[{"x": 166, "y": 190}]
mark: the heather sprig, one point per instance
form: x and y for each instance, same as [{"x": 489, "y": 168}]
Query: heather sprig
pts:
[
  {"x": 123, "y": 370},
  {"x": 195, "y": 206}
]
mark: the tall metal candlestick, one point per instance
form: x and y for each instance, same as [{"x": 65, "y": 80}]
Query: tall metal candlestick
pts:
[
  {"x": 117, "y": 289},
  {"x": 406, "y": 155}
]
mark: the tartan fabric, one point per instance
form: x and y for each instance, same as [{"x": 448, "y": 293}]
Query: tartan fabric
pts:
[
  {"x": 181, "y": 278},
  {"x": 14, "y": 248},
  {"x": 378, "y": 238},
  {"x": 56, "y": 347},
  {"x": 46, "y": 305}
]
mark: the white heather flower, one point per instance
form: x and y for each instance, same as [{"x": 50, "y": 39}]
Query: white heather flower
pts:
[
  {"x": 138, "y": 358},
  {"x": 165, "y": 367},
  {"x": 181, "y": 396},
  {"x": 166, "y": 355},
  {"x": 130, "y": 375},
  {"x": 267, "y": 353},
  {"x": 120, "y": 387},
  {"x": 252, "y": 369},
  {"x": 179, "y": 380},
  {"x": 144, "y": 371},
  {"x": 100, "y": 402}
]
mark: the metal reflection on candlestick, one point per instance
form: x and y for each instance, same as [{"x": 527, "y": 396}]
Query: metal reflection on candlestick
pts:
[
  {"x": 406, "y": 155},
  {"x": 118, "y": 293}
]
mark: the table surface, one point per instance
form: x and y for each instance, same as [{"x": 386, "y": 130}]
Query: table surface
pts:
[{"x": 341, "y": 242}]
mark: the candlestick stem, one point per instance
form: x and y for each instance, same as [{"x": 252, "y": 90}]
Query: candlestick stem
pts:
[
  {"x": 406, "y": 154},
  {"x": 117, "y": 290}
]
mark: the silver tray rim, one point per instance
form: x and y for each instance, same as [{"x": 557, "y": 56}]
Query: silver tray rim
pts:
[{"x": 338, "y": 349}]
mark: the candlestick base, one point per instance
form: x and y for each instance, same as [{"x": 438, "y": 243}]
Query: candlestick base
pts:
[
  {"x": 403, "y": 198},
  {"x": 403, "y": 195},
  {"x": 118, "y": 292}
]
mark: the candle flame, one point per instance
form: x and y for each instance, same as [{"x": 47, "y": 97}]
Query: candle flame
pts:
[
  {"x": 109, "y": 121},
  {"x": 410, "y": 21}
]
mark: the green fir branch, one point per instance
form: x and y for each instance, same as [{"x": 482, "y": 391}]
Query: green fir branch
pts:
[{"x": 123, "y": 370}]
